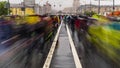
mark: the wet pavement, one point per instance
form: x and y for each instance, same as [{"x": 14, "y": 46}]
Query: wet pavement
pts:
[
  {"x": 24, "y": 53},
  {"x": 89, "y": 57},
  {"x": 62, "y": 57},
  {"x": 18, "y": 53}
]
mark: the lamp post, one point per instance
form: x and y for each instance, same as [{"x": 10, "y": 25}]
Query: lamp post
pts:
[
  {"x": 90, "y": 6},
  {"x": 24, "y": 6},
  {"x": 99, "y": 7},
  {"x": 113, "y": 5},
  {"x": 8, "y": 7},
  {"x": 84, "y": 6}
]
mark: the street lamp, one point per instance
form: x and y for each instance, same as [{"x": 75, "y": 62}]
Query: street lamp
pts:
[
  {"x": 90, "y": 6},
  {"x": 99, "y": 7},
  {"x": 24, "y": 6},
  {"x": 113, "y": 5},
  {"x": 8, "y": 7},
  {"x": 85, "y": 6}
]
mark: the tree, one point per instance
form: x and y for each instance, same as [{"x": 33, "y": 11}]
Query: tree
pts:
[
  {"x": 4, "y": 8},
  {"x": 87, "y": 13}
]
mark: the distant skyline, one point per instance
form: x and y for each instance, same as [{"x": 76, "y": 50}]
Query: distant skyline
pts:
[{"x": 67, "y": 3}]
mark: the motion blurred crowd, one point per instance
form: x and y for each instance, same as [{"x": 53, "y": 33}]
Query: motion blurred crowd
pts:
[
  {"x": 100, "y": 32},
  {"x": 27, "y": 25}
]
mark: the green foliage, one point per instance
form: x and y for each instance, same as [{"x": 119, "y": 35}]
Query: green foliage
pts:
[
  {"x": 3, "y": 9},
  {"x": 87, "y": 13}
]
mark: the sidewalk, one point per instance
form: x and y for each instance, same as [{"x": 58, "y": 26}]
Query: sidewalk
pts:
[{"x": 63, "y": 57}]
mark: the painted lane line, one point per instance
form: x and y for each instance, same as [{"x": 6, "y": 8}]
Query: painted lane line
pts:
[
  {"x": 10, "y": 39},
  {"x": 74, "y": 52},
  {"x": 52, "y": 49}
]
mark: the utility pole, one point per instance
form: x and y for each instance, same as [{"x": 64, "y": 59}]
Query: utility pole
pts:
[
  {"x": 99, "y": 7},
  {"x": 24, "y": 6},
  {"x": 113, "y": 5},
  {"x": 39, "y": 10},
  {"x": 90, "y": 6},
  {"x": 8, "y": 7},
  {"x": 85, "y": 6},
  {"x": 34, "y": 7}
]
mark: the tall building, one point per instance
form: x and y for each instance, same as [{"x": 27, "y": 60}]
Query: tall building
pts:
[
  {"x": 76, "y": 4},
  {"x": 46, "y": 8},
  {"x": 18, "y": 9},
  {"x": 74, "y": 9}
]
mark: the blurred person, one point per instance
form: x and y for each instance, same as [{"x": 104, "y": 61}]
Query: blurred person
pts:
[
  {"x": 55, "y": 24},
  {"x": 65, "y": 19},
  {"x": 5, "y": 29},
  {"x": 72, "y": 24}
]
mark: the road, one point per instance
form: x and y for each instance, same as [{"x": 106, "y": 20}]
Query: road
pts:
[
  {"x": 89, "y": 57},
  {"x": 23, "y": 52}
]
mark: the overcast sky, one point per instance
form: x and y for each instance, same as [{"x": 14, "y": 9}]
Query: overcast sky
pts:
[{"x": 68, "y": 3}]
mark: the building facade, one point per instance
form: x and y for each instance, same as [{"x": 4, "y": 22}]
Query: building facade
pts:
[
  {"x": 103, "y": 8},
  {"x": 18, "y": 9},
  {"x": 74, "y": 9},
  {"x": 76, "y": 4},
  {"x": 46, "y": 8}
]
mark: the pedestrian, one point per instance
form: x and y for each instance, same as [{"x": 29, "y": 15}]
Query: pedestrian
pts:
[{"x": 72, "y": 21}]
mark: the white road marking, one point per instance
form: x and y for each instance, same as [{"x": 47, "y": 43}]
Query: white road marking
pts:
[
  {"x": 10, "y": 39},
  {"x": 74, "y": 52},
  {"x": 50, "y": 54}
]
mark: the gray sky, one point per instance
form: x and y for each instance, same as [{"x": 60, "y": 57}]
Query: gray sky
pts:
[{"x": 68, "y": 3}]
